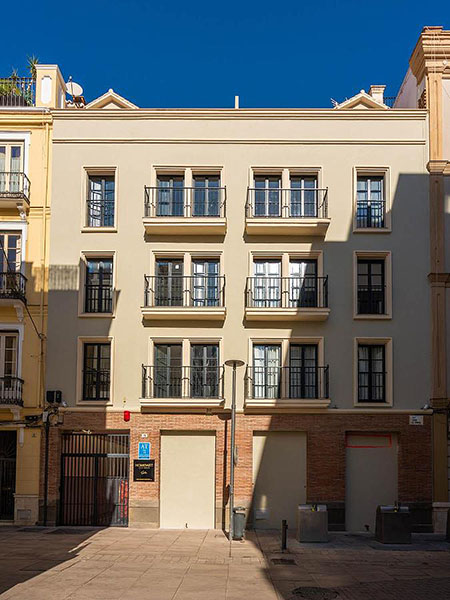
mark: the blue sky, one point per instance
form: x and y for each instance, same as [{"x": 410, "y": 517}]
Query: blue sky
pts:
[{"x": 200, "y": 53}]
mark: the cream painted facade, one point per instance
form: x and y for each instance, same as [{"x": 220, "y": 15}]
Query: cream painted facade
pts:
[
  {"x": 427, "y": 84},
  {"x": 111, "y": 140},
  {"x": 25, "y": 173}
]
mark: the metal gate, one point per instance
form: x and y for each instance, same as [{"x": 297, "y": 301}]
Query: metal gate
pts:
[
  {"x": 8, "y": 447},
  {"x": 94, "y": 479}
]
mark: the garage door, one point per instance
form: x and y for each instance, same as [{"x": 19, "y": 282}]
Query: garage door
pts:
[
  {"x": 187, "y": 480},
  {"x": 371, "y": 478},
  {"x": 279, "y": 478}
]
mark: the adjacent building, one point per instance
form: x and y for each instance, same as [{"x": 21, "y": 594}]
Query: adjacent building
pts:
[
  {"x": 294, "y": 240},
  {"x": 25, "y": 167}
]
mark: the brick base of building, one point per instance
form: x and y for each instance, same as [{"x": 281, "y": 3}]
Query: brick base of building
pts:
[{"x": 326, "y": 457}]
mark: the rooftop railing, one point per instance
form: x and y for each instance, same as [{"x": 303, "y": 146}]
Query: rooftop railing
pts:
[{"x": 17, "y": 91}]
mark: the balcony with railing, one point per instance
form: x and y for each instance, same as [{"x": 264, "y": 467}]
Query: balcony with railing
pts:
[
  {"x": 371, "y": 300},
  {"x": 12, "y": 287},
  {"x": 306, "y": 386},
  {"x": 292, "y": 211},
  {"x": 185, "y": 210},
  {"x": 14, "y": 191},
  {"x": 11, "y": 391},
  {"x": 371, "y": 214},
  {"x": 287, "y": 298},
  {"x": 182, "y": 386},
  {"x": 181, "y": 297},
  {"x": 17, "y": 91}
]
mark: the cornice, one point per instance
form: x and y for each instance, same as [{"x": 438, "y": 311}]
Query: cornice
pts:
[
  {"x": 22, "y": 119},
  {"x": 438, "y": 167},
  {"x": 430, "y": 52},
  {"x": 238, "y": 114}
]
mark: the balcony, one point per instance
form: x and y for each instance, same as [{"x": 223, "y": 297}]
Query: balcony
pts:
[
  {"x": 370, "y": 214},
  {"x": 12, "y": 288},
  {"x": 287, "y": 387},
  {"x": 185, "y": 210},
  {"x": 277, "y": 211},
  {"x": 182, "y": 387},
  {"x": 14, "y": 191},
  {"x": 17, "y": 91},
  {"x": 287, "y": 298},
  {"x": 195, "y": 297},
  {"x": 11, "y": 391}
]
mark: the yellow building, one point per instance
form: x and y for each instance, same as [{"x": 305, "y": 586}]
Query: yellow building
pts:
[{"x": 25, "y": 159}]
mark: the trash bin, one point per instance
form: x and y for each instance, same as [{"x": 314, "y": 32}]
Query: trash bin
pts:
[
  {"x": 238, "y": 522},
  {"x": 312, "y": 523},
  {"x": 393, "y": 524}
]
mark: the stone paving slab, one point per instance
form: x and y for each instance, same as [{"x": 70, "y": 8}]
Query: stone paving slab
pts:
[{"x": 128, "y": 564}]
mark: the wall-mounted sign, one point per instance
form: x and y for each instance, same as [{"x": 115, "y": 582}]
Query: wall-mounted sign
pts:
[
  {"x": 416, "y": 419},
  {"x": 144, "y": 435},
  {"x": 144, "y": 470},
  {"x": 144, "y": 450}
]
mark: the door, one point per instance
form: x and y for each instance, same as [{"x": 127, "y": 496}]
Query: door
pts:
[
  {"x": 267, "y": 196},
  {"x": 204, "y": 376},
  {"x": 168, "y": 371},
  {"x": 187, "y": 480},
  {"x": 303, "y": 378},
  {"x": 303, "y": 283},
  {"x": 10, "y": 385},
  {"x": 279, "y": 478},
  {"x": 205, "y": 283},
  {"x": 99, "y": 275},
  {"x": 206, "y": 196},
  {"x": 94, "y": 479},
  {"x": 169, "y": 282},
  {"x": 266, "y": 370},
  {"x": 170, "y": 196},
  {"x": 371, "y": 477},
  {"x": 11, "y": 160},
  {"x": 266, "y": 283},
  {"x": 303, "y": 197},
  {"x": 8, "y": 449},
  {"x": 10, "y": 262}
]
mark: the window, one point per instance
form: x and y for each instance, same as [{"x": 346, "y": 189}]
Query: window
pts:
[
  {"x": 99, "y": 285},
  {"x": 170, "y": 199},
  {"x": 371, "y": 373},
  {"x": 204, "y": 371},
  {"x": 303, "y": 283},
  {"x": 303, "y": 372},
  {"x": 371, "y": 286},
  {"x": 370, "y": 202},
  {"x": 168, "y": 371},
  {"x": 266, "y": 370},
  {"x": 169, "y": 282},
  {"x": 266, "y": 283},
  {"x": 101, "y": 199},
  {"x": 205, "y": 282},
  {"x": 10, "y": 385},
  {"x": 10, "y": 251},
  {"x": 11, "y": 161},
  {"x": 267, "y": 196},
  {"x": 96, "y": 371},
  {"x": 206, "y": 196},
  {"x": 303, "y": 196}
]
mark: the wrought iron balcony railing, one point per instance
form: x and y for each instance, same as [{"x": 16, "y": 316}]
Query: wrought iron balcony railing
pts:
[
  {"x": 100, "y": 213},
  {"x": 97, "y": 298},
  {"x": 199, "y": 291},
  {"x": 11, "y": 390},
  {"x": 370, "y": 214},
  {"x": 287, "y": 292},
  {"x": 185, "y": 201},
  {"x": 371, "y": 300},
  {"x": 162, "y": 381},
  {"x": 17, "y": 91},
  {"x": 304, "y": 203},
  {"x": 371, "y": 386},
  {"x": 295, "y": 383},
  {"x": 14, "y": 185},
  {"x": 12, "y": 286},
  {"x": 96, "y": 384}
]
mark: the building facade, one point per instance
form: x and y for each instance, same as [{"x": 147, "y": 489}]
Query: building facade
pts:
[
  {"x": 292, "y": 240},
  {"x": 427, "y": 85},
  {"x": 25, "y": 165}
]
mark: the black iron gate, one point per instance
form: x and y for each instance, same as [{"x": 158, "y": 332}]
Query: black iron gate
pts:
[
  {"x": 94, "y": 479},
  {"x": 8, "y": 446}
]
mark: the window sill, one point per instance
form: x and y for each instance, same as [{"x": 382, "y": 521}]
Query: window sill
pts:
[
  {"x": 96, "y": 315},
  {"x": 94, "y": 403},
  {"x": 99, "y": 230},
  {"x": 372, "y": 405},
  {"x": 372, "y": 230},
  {"x": 372, "y": 317}
]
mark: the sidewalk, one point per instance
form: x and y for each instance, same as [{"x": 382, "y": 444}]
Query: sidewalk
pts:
[{"x": 125, "y": 564}]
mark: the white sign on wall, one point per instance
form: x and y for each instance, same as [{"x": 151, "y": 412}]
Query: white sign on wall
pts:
[{"x": 416, "y": 419}]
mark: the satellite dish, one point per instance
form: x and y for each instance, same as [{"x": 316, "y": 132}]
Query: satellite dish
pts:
[{"x": 74, "y": 89}]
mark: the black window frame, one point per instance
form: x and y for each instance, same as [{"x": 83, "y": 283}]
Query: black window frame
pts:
[
  {"x": 106, "y": 205},
  {"x": 96, "y": 376},
  {"x": 375, "y": 301},
  {"x": 98, "y": 298},
  {"x": 372, "y": 375}
]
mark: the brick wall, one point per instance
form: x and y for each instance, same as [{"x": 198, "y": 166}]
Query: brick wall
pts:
[{"x": 325, "y": 450}]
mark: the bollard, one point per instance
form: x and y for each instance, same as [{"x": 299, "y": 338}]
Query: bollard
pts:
[{"x": 284, "y": 528}]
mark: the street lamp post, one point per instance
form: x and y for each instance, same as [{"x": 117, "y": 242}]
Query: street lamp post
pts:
[{"x": 233, "y": 363}]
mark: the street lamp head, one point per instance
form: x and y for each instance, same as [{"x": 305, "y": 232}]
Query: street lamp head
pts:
[{"x": 234, "y": 363}]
